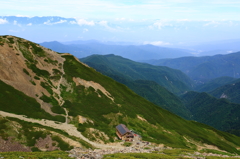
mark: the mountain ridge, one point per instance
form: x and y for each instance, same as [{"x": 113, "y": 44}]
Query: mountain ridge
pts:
[
  {"x": 203, "y": 69},
  {"x": 72, "y": 90}
]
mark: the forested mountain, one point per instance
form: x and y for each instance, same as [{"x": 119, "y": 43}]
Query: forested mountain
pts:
[
  {"x": 150, "y": 90},
  {"x": 214, "y": 83},
  {"x": 173, "y": 80},
  {"x": 47, "y": 94},
  {"x": 203, "y": 69},
  {"x": 229, "y": 91},
  {"x": 200, "y": 107},
  {"x": 219, "y": 113}
]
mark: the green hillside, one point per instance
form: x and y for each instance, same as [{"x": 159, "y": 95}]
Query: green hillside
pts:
[
  {"x": 150, "y": 90},
  {"x": 205, "y": 68},
  {"x": 218, "y": 113},
  {"x": 58, "y": 81},
  {"x": 131, "y": 106},
  {"x": 173, "y": 80}
]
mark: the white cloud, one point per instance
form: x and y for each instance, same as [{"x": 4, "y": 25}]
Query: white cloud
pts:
[
  {"x": 59, "y": 22},
  {"x": 157, "y": 43},
  {"x": 29, "y": 24},
  {"x": 14, "y": 22},
  {"x": 120, "y": 19},
  {"x": 85, "y": 30},
  {"x": 84, "y": 22},
  {"x": 73, "y": 22},
  {"x": 105, "y": 24},
  {"x": 160, "y": 24},
  {"x": 212, "y": 23},
  {"x": 3, "y": 21},
  {"x": 24, "y": 16},
  {"x": 14, "y": 31}
]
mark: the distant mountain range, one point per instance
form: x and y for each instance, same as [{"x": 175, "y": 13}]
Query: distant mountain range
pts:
[
  {"x": 203, "y": 69},
  {"x": 134, "y": 52},
  {"x": 217, "y": 47},
  {"x": 118, "y": 32}
]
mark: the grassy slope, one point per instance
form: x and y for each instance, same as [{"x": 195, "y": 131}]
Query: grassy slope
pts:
[
  {"x": 173, "y": 80},
  {"x": 131, "y": 105},
  {"x": 150, "y": 90},
  {"x": 14, "y": 101}
]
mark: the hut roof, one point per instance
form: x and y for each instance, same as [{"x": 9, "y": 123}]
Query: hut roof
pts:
[{"x": 122, "y": 129}]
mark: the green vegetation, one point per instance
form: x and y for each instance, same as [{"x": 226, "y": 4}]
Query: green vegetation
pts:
[
  {"x": 230, "y": 91},
  {"x": 215, "y": 83},
  {"x": 104, "y": 110},
  {"x": 150, "y": 90},
  {"x": 27, "y": 54},
  {"x": 56, "y": 108},
  {"x": 32, "y": 82},
  {"x": 139, "y": 156},
  {"x": 173, "y": 80},
  {"x": 50, "y": 61},
  {"x": 28, "y": 134},
  {"x": 47, "y": 87},
  {"x": 57, "y": 74},
  {"x": 25, "y": 71},
  {"x": 84, "y": 101},
  {"x": 218, "y": 113},
  {"x": 169, "y": 154},
  {"x": 63, "y": 145},
  {"x": 36, "y": 77},
  {"x": 205, "y": 68},
  {"x": 39, "y": 72},
  {"x": 31, "y": 126},
  {"x": 14, "y": 101},
  {"x": 11, "y": 40},
  {"x": 216, "y": 152},
  {"x": 127, "y": 144},
  {"x": 35, "y": 155},
  {"x": 37, "y": 50}
]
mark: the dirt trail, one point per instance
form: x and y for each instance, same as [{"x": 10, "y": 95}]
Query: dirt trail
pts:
[{"x": 70, "y": 129}]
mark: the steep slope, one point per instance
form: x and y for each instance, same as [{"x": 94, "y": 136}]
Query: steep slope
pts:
[
  {"x": 228, "y": 91},
  {"x": 209, "y": 110},
  {"x": 173, "y": 80},
  {"x": 150, "y": 90},
  {"x": 92, "y": 103},
  {"x": 205, "y": 68}
]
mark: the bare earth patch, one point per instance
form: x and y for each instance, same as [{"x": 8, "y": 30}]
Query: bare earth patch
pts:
[{"x": 94, "y": 85}]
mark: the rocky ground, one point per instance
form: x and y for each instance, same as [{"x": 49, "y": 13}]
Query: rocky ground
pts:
[{"x": 79, "y": 153}]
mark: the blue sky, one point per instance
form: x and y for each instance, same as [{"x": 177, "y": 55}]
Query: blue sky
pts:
[
  {"x": 129, "y": 9},
  {"x": 159, "y": 22}
]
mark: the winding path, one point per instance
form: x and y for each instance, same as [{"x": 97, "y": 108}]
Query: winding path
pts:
[{"x": 68, "y": 128}]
